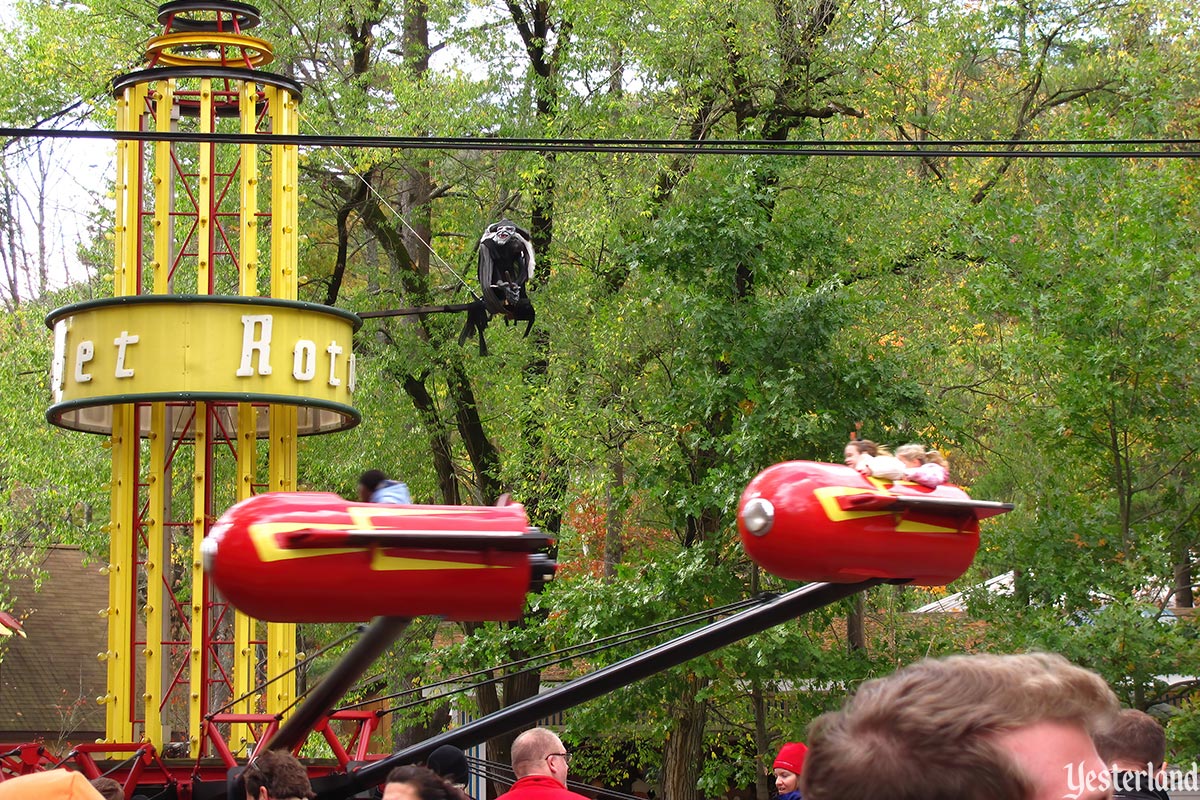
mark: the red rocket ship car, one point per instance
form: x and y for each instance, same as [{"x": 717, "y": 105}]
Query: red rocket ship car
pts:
[
  {"x": 315, "y": 557},
  {"x": 804, "y": 520}
]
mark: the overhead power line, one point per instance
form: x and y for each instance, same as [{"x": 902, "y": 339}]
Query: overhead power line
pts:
[{"x": 954, "y": 148}]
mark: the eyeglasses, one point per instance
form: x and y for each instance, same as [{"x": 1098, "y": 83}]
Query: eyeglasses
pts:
[{"x": 566, "y": 757}]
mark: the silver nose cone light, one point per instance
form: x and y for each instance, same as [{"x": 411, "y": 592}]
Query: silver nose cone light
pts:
[
  {"x": 208, "y": 553},
  {"x": 758, "y": 515}
]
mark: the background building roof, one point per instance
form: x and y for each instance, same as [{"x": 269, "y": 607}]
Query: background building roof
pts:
[{"x": 49, "y": 681}]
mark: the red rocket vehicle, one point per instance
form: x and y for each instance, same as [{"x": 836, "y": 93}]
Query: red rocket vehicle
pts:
[
  {"x": 809, "y": 521},
  {"x": 314, "y": 557}
]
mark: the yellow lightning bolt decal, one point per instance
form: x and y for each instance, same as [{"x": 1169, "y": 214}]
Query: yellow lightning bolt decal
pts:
[
  {"x": 263, "y": 536},
  {"x": 827, "y": 495},
  {"x": 361, "y": 515},
  {"x": 400, "y": 563}
]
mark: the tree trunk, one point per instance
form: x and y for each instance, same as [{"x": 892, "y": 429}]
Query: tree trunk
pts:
[
  {"x": 517, "y": 686},
  {"x": 439, "y": 440},
  {"x": 485, "y": 461},
  {"x": 1184, "y": 593},
  {"x": 762, "y": 743},
  {"x": 856, "y": 638},
  {"x": 684, "y": 747},
  {"x": 614, "y": 515}
]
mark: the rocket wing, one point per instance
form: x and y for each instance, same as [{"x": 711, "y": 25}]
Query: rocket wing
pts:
[
  {"x": 316, "y": 538},
  {"x": 958, "y": 508}
]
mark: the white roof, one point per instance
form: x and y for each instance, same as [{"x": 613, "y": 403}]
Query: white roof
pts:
[{"x": 1000, "y": 585}]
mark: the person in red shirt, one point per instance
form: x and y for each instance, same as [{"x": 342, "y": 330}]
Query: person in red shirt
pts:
[{"x": 540, "y": 761}]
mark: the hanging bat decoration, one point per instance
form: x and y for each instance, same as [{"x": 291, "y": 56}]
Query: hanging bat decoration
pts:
[{"x": 506, "y": 264}]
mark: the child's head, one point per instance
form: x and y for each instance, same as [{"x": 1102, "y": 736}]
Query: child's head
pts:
[
  {"x": 935, "y": 457},
  {"x": 858, "y": 448},
  {"x": 913, "y": 455}
]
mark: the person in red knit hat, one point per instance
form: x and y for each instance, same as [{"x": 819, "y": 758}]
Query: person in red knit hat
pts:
[{"x": 787, "y": 766}]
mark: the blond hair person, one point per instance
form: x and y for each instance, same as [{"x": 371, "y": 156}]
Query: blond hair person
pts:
[{"x": 926, "y": 467}]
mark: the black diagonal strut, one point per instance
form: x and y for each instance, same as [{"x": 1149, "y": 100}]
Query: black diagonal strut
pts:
[
  {"x": 378, "y": 637},
  {"x": 769, "y": 613}
]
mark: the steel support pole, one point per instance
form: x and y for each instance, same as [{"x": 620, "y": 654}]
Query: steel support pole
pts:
[
  {"x": 378, "y": 637},
  {"x": 770, "y": 613}
]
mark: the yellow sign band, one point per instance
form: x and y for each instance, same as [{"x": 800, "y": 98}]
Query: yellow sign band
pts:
[{"x": 192, "y": 348}]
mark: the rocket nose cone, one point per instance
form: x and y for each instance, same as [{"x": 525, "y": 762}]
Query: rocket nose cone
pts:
[
  {"x": 758, "y": 515},
  {"x": 208, "y": 553}
]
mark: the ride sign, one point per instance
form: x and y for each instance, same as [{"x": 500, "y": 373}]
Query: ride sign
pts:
[{"x": 163, "y": 348}]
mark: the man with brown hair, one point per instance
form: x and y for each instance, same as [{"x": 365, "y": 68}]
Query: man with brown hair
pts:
[
  {"x": 539, "y": 761},
  {"x": 984, "y": 727},
  {"x": 109, "y": 788},
  {"x": 276, "y": 775},
  {"x": 1134, "y": 745}
]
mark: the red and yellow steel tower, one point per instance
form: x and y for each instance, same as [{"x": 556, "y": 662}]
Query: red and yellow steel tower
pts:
[{"x": 203, "y": 369}]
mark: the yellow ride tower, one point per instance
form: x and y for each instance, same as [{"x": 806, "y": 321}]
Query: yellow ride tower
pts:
[{"x": 203, "y": 369}]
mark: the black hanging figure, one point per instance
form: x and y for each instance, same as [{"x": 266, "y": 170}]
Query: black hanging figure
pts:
[{"x": 506, "y": 264}]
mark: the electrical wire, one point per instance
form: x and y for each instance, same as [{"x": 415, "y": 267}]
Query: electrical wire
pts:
[
  {"x": 384, "y": 202},
  {"x": 1160, "y": 148},
  {"x": 949, "y": 148},
  {"x": 357, "y": 631},
  {"x": 566, "y": 654}
]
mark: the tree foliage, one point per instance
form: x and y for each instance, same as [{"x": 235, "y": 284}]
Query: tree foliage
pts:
[{"x": 701, "y": 317}]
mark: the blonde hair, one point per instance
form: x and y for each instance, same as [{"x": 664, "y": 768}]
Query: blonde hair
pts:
[{"x": 918, "y": 453}]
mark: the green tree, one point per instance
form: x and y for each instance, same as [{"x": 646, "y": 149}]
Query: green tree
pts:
[
  {"x": 702, "y": 317},
  {"x": 51, "y": 480}
]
